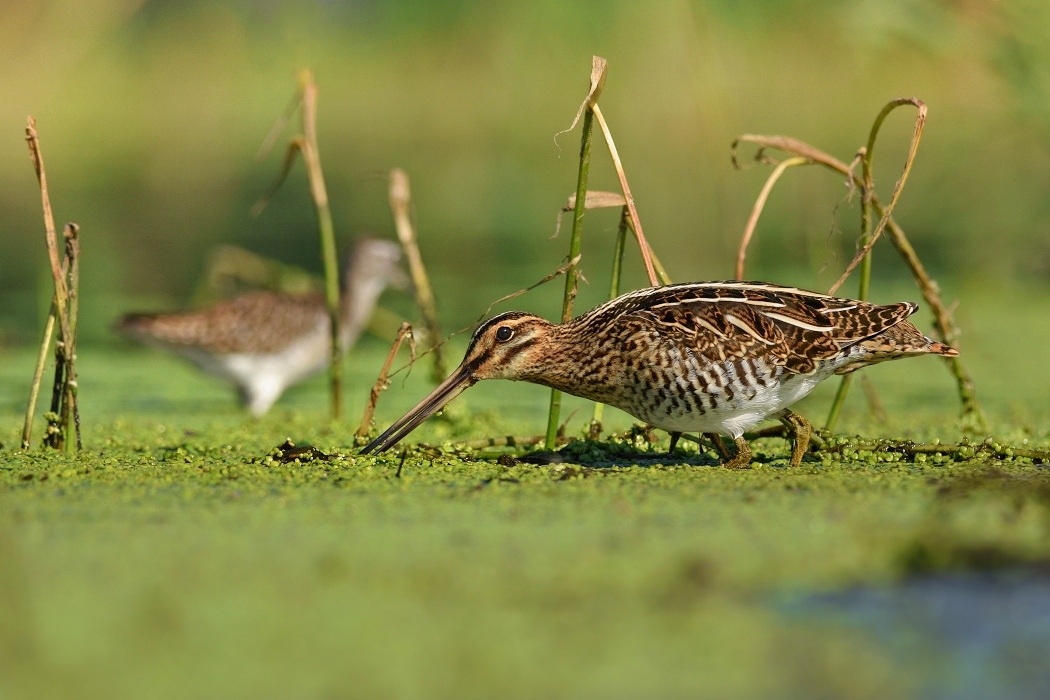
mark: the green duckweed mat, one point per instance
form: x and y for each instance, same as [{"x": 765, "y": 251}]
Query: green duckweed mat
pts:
[{"x": 177, "y": 558}]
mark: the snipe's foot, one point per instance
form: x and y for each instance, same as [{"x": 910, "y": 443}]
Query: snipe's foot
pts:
[
  {"x": 800, "y": 430},
  {"x": 742, "y": 458},
  {"x": 675, "y": 437},
  {"x": 720, "y": 446}
]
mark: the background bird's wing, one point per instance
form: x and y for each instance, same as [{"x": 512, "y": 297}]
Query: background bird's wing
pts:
[{"x": 255, "y": 322}]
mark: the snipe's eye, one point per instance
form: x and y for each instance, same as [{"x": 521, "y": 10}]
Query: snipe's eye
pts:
[{"x": 504, "y": 333}]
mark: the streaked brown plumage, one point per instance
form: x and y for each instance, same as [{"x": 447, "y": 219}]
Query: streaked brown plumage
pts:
[
  {"x": 711, "y": 357},
  {"x": 263, "y": 342}
]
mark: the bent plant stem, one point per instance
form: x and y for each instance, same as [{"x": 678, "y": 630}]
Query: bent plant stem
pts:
[
  {"x": 760, "y": 203},
  {"x": 572, "y": 274},
  {"x": 382, "y": 381},
  {"x": 945, "y": 328},
  {"x": 595, "y": 429},
  {"x": 942, "y": 322},
  {"x": 867, "y": 241},
  {"x": 400, "y": 195},
  {"x": 913, "y": 147}
]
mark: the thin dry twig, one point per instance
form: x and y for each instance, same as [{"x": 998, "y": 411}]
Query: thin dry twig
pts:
[
  {"x": 400, "y": 205},
  {"x": 382, "y": 381},
  {"x": 636, "y": 223},
  {"x": 760, "y": 203}
]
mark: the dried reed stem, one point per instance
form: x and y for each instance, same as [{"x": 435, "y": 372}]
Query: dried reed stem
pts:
[
  {"x": 635, "y": 221},
  {"x": 65, "y": 347},
  {"x": 71, "y": 389},
  {"x": 381, "y": 381},
  {"x": 597, "y": 82},
  {"x": 943, "y": 324},
  {"x": 760, "y": 204},
  {"x": 400, "y": 196}
]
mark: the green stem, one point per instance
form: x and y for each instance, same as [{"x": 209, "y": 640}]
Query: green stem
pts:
[
  {"x": 574, "y": 250},
  {"x": 38, "y": 375},
  {"x": 614, "y": 291},
  {"x": 864, "y": 286}
]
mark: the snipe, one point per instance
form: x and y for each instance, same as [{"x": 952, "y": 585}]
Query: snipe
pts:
[
  {"x": 264, "y": 342},
  {"x": 709, "y": 357}
]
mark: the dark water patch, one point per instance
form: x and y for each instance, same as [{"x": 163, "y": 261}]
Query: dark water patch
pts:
[{"x": 962, "y": 636}]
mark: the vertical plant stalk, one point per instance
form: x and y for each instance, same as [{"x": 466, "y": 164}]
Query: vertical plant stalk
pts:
[
  {"x": 381, "y": 381},
  {"x": 64, "y": 347},
  {"x": 400, "y": 195},
  {"x": 595, "y": 430},
  {"x": 636, "y": 223},
  {"x": 329, "y": 257},
  {"x": 71, "y": 400},
  {"x": 760, "y": 204},
  {"x": 597, "y": 82}
]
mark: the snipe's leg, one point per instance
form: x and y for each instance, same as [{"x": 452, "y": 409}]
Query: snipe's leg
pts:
[
  {"x": 742, "y": 459},
  {"x": 675, "y": 437},
  {"x": 720, "y": 447},
  {"x": 800, "y": 430}
]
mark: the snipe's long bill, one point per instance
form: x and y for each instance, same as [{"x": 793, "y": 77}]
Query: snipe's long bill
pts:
[{"x": 708, "y": 357}]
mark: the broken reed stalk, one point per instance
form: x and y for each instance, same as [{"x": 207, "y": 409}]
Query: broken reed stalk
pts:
[
  {"x": 66, "y": 344},
  {"x": 943, "y": 324},
  {"x": 595, "y": 430},
  {"x": 400, "y": 195},
  {"x": 760, "y": 204},
  {"x": 866, "y": 241},
  {"x": 597, "y": 82},
  {"x": 381, "y": 381},
  {"x": 329, "y": 257}
]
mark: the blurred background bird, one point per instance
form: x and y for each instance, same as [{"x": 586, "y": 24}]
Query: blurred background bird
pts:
[{"x": 263, "y": 342}]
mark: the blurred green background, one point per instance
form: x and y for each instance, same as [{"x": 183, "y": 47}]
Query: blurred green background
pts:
[{"x": 151, "y": 113}]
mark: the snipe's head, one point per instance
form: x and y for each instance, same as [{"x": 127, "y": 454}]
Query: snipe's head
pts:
[{"x": 508, "y": 346}]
